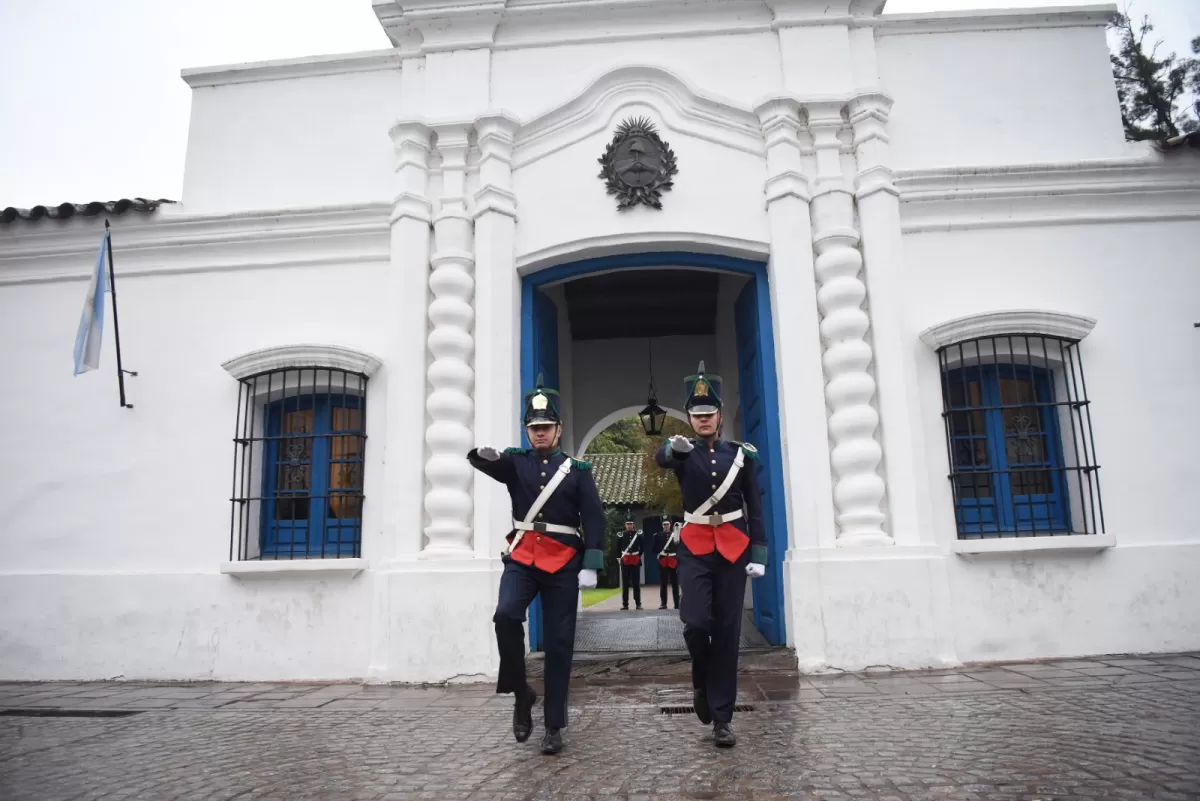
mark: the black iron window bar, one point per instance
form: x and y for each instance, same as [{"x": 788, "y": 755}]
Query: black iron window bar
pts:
[
  {"x": 1045, "y": 432},
  {"x": 299, "y": 443}
]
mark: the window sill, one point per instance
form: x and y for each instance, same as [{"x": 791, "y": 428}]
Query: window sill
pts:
[
  {"x": 261, "y": 569},
  {"x": 1063, "y": 542}
]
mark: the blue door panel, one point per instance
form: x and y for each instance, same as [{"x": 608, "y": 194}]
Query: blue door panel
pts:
[
  {"x": 760, "y": 428},
  {"x": 540, "y": 326}
]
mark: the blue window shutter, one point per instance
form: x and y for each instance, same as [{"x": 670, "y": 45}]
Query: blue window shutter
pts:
[{"x": 1014, "y": 506}]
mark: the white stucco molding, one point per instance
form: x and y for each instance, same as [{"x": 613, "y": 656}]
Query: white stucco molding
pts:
[
  {"x": 676, "y": 105},
  {"x": 1143, "y": 187},
  {"x": 1040, "y": 322},
  {"x": 283, "y": 69},
  {"x": 333, "y": 357},
  {"x": 1026, "y": 545},
  {"x": 283, "y": 568},
  {"x": 990, "y": 20},
  {"x": 182, "y": 243},
  {"x": 641, "y": 242},
  {"x": 541, "y": 23}
]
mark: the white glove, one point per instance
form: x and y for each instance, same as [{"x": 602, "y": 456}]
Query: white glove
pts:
[
  {"x": 754, "y": 570},
  {"x": 681, "y": 444},
  {"x": 587, "y": 579},
  {"x": 490, "y": 454}
]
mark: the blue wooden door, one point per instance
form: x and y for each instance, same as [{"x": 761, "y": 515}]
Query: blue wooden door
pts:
[
  {"x": 539, "y": 355},
  {"x": 760, "y": 427}
]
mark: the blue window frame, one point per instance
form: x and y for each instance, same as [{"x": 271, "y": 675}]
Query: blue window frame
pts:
[
  {"x": 312, "y": 478},
  {"x": 1007, "y": 468}
]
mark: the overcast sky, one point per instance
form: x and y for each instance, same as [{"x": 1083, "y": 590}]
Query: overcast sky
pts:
[{"x": 92, "y": 106}]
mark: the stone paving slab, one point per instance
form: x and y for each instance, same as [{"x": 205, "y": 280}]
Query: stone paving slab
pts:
[
  {"x": 980, "y": 733},
  {"x": 646, "y": 630}
]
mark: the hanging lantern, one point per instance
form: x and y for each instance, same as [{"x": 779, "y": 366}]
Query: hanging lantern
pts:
[{"x": 653, "y": 416}]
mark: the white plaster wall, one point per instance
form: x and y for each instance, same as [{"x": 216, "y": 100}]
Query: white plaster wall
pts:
[
  {"x": 717, "y": 193},
  {"x": 1140, "y": 363},
  {"x": 742, "y": 68},
  {"x": 114, "y": 522},
  {"x": 1000, "y": 97},
  {"x": 295, "y": 142}
]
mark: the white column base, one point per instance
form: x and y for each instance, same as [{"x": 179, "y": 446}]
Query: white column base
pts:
[
  {"x": 439, "y": 621},
  {"x": 857, "y": 608}
]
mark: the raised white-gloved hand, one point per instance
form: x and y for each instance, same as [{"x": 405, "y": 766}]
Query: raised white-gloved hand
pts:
[
  {"x": 488, "y": 453},
  {"x": 681, "y": 444},
  {"x": 754, "y": 570},
  {"x": 587, "y": 579}
]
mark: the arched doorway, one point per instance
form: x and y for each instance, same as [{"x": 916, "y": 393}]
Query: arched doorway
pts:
[
  {"x": 620, "y": 414},
  {"x": 753, "y": 360}
]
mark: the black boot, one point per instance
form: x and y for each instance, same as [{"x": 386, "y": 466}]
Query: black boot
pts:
[
  {"x": 662, "y": 606},
  {"x": 523, "y": 714},
  {"x": 700, "y": 701},
  {"x": 723, "y": 735},
  {"x": 552, "y": 742}
]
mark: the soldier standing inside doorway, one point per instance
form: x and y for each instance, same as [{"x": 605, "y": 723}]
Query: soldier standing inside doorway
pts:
[
  {"x": 631, "y": 545},
  {"x": 665, "y": 544},
  {"x": 722, "y": 541},
  {"x": 553, "y": 497}
]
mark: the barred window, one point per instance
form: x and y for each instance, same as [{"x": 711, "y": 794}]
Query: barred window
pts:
[
  {"x": 298, "y": 464},
  {"x": 1019, "y": 437}
]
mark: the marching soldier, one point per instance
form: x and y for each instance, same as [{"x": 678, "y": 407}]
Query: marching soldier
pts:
[
  {"x": 553, "y": 497},
  {"x": 665, "y": 543},
  {"x": 722, "y": 541},
  {"x": 630, "y": 543}
]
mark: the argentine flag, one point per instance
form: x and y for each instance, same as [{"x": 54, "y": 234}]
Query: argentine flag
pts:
[{"x": 91, "y": 322}]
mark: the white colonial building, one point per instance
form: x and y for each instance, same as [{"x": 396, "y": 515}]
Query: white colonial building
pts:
[{"x": 952, "y": 306}]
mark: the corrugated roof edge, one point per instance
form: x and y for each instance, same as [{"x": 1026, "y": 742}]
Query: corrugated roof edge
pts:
[
  {"x": 1183, "y": 140},
  {"x": 66, "y": 210}
]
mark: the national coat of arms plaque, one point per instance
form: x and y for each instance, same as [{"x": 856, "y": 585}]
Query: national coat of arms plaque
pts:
[{"x": 637, "y": 166}]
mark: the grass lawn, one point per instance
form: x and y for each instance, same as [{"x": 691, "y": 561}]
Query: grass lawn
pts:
[{"x": 598, "y": 594}]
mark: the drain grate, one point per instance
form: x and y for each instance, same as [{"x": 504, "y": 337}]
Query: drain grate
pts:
[
  {"x": 691, "y": 710},
  {"x": 69, "y": 713}
]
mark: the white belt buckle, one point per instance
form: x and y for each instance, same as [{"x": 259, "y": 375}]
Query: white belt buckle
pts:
[{"x": 715, "y": 520}]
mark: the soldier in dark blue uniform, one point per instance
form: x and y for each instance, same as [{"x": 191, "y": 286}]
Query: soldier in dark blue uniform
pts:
[
  {"x": 630, "y": 545},
  {"x": 666, "y": 544},
  {"x": 553, "y": 498},
  {"x": 722, "y": 541}
]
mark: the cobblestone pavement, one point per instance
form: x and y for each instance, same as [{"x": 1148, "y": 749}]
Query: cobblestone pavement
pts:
[{"x": 1111, "y": 728}]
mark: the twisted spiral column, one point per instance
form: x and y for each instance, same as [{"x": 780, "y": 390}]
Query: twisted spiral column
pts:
[
  {"x": 450, "y": 407},
  {"x": 850, "y": 388}
]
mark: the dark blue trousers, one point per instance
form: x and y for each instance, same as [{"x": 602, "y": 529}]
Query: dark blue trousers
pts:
[
  {"x": 560, "y": 595},
  {"x": 711, "y": 610}
]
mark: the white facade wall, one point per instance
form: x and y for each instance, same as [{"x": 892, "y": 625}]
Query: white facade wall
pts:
[{"x": 303, "y": 222}]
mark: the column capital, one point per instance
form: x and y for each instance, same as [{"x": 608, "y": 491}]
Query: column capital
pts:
[
  {"x": 869, "y": 113},
  {"x": 496, "y": 132},
  {"x": 495, "y": 136},
  {"x": 410, "y": 132}
]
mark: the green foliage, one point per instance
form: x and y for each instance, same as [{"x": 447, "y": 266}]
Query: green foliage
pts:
[
  {"x": 662, "y": 488},
  {"x": 627, "y": 436},
  {"x": 614, "y": 523},
  {"x": 594, "y": 596},
  {"x": 1148, "y": 87},
  {"x": 624, "y": 436}
]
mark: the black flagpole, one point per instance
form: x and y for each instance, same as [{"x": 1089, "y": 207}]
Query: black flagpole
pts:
[{"x": 112, "y": 287}]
